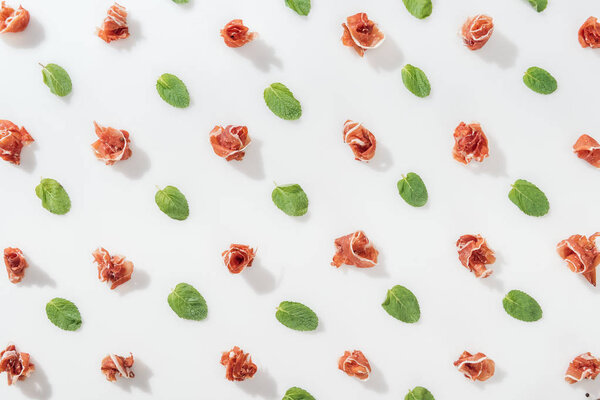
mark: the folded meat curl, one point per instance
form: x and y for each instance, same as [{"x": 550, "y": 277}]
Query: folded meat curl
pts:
[
  {"x": 230, "y": 142},
  {"x": 12, "y": 140},
  {"x": 476, "y": 31},
  {"x": 114, "y": 26},
  {"x": 238, "y": 257},
  {"x": 355, "y": 249},
  {"x": 355, "y": 364},
  {"x": 113, "y": 269},
  {"x": 588, "y": 149},
  {"x": 474, "y": 254},
  {"x": 114, "y": 366},
  {"x": 236, "y": 34},
  {"x": 584, "y": 366},
  {"x": 16, "y": 365},
  {"x": 470, "y": 143},
  {"x": 238, "y": 365},
  {"x": 15, "y": 264},
  {"x": 581, "y": 254},
  {"x": 476, "y": 367},
  {"x": 361, "y": 33},
  {"x": 11, "y": 20},
  {"x": 360, "y": 139},
  {"x": 589, "y": 33},
  {"x": 112, "y": 144}
]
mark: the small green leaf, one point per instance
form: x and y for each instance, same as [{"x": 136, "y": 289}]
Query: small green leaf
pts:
[
  {"x": 539, "y": 80},
  {"x": 402, "y": 304},
  {"x": 531, "y": 200},
  {"x": 172, "y": 202},
  {"x": 419, "y": 8},
  {"x": 419, "y": 393},
  {"x": 187, "y": 302},
  {"x": 522, "y": 306},
  {"x": 297, "y": 316},
  {"x": 302, "y": 7},
  {"x": 57, "y": 79},
  {"x": 290, "y": 199},
  {"x": 296, "y": 393},
  {"x": 416, "y": 81},
  {"x": 282, "y": 102},
  {"x": 413, "y": 190},
  {"x": 538, "y": 5},
  {"x": 54, "y": 197},
  {"x": 181, "y": 1},
  {"x": 63, "y": 314},
  {"x": 172, "y": 90}
]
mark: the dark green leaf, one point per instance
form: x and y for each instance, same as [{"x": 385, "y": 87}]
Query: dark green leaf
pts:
[
  {"x": 419, "y": 8},
  {"x": 290, "y": 199},
  {"x": 413, "y": 190},
  {"x": 419, "y": 393},
  {"x": 57, "y": 79},
  {"x": 296, "y": 316},
  {"x": 172, "y": 202},
  {"x": 539, "y": 5},
  {"x": 187, "y": 302},
  {"x": 282, "y": 102},
  {"x": 522, "y": 306},
  {"x": 416, "y": 81},
  {"x": 172, "y": 90},
  {"x": 302, "y": 7},
  {"x": 402, "y": 304},
  {"x": 539, "y": 80},
  {"x": 54, "y": 197},
  {"x": 63, "y": 314},
  {"x": 531, "y": 200},
  {"x": 295, "y": 393}
]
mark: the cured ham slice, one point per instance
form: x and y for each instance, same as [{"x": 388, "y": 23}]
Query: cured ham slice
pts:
[
  {"x": 230, "y": 142},
  {"x": 476, "y": 31},
  {"x": 16, "y": 365},
  {"x": 11, "y": 20},
  {"x": 12, "y": 140},
  {"x": 115, "y": 270},
  {"x": 236, "y": 34},
  {"x": 474, "y": 254},
  {"x": 238, "y": 365},
  {"x": 360, "y": 139},
  {"x": 114, "y": 26},
  {"x": 588, "y": 149},
  {"x": 355, "y": 249},
  {"x": 238, "y": 257},
  {"x": 476, "y": 367},
  {"x": 112, "y": 144},
  {"x": 470, "y": 143},
  {"x": 15, "y": 264},
  {"x": 581, "y": 254},
  {"x": 361, "y": 33},
  {"x": 355, "y": 364},
  {"x": 114, "y": 366},
  {"x": 584, "y": 366},
  {"x": 589, "y": 33}
]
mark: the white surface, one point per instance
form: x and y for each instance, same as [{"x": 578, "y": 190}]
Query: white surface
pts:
[{"x": 530, "y": 136}]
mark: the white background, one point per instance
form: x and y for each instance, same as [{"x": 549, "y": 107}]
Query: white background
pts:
[{"x": 530, "y": 137}]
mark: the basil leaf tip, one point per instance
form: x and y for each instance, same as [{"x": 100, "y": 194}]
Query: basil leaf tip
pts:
[
  {"x": 402, "y": 304},
  {"x": 539, "y": 80},
  {"x": 415, "y": 81},
  {"x": 297, "y": 316},
  {"x": 290, "y": 199},
  {"x": 302, "y": 7},
  {"x": 281, "y": 102},
  {"x": 53, "y": 196},
  {"x": 522, "y": 306},
  {"x": 419, "y": 8},
  {"x": 57, "y": 79},
  {"x": 172, "y": 202},
  {"x": 172, "y": 90},
  {"x": 419, "y": 393},
  {"x": 187, "y": 302},
  {"x": 538, "y": 5},
  {"x": 413, "y": 190},
  {"x": 529, "y": 198},
  {"x": 296, "y": 393},
  {"x": 64, "y": 314}
]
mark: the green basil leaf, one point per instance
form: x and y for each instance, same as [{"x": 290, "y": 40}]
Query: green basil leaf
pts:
[
  {"x": 63, "y": 314},
  {"x": 282, "y": 102},
  {"x": 187, "y": 302},
  {"x": 297, "y": 316},
  {"x": 302, "y": 7},
  {"x": 296, "y": 393},
  {"x": 402, "y": 304},
  {"x": 522, "y": 306},
  {"x": 419, "y": 8},
  {"x": 531, "y": 200},
  {"x": 57, "y": 79},
  {"x": 181, "y": 1},
  {"x": 538, "y": 5},
  {"x": 413, "y": 190},
  {"x": 172, "y": 90},
  {"x": 54, "y": 197},
  {"x": 172, "y": 202},
  {"x": 416, "y": 81},
  {"x": 419, "y": 393},
  {"x": 539, "y": 80},
  {"x": 290, "y": 199}
]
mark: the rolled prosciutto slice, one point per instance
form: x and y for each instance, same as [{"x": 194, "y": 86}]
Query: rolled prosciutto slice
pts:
[
  {"x": 16, "y": 365},
  {"x": 114, "y": 366},
  {"x": 470, "y": 143},
  {"x": 238, "y": 257},
  {"x": 361, "y": 33},
  {"x": 114, "y": 26},
  {"x": 12, "y": 141},
  {"x": 355, "y": 249},
  {"x": 581, "y": 254},
  {"x": 589, "y": 33},
  {"x": 236, "y": 34},
  {"x": 476, "y": 31},
  {"x": 474, "y": 254},
  {"x": 115, "y": 270},
  {"x": 355, "y": 364},
  {"x": 584, "y": 366},
  {"x": 15, "y": 263},
  {"x": 360, "y": 139},
  {"x": 476, "y": 367},
  {"x": 230, "y": 142},
  {"x": 588, "y": 149},
  {"x": 238, "y": 365},
  {"x": 112, "y": 144},
  {"x": 11, "y": 20}
]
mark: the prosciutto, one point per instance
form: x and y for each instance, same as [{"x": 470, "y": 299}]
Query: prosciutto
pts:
[
  {"x": 355, "y": 364},
  {"x": 584, "y": 366},
  {"x": 16, "y": 365},
  {"x": 474, "y": 254},
  {"x": 581, "y": 254},
  {"x": 588, "y": 149},
  {"x": 476, "y": 31},
  {"x": 355, "y": 249},
  {"x": 236, "y": 34},
  {"x": 238, "y": 257},
  {"x": 360, "y": 139},
  {"x": 11, "y": 20},
  {"x": 114, "y": 26},
  {"x": 115, "y": 270},
  {"x": 361, "y": 33},
  {"x": 470, "y": 143},
  {"x": 114, "y": 366},
  {"x": 15, "y": 264},
  {"x": 230, "y": 142},
  {"x": 238, "y": 365},
  {"x": 112, "y": 144},
  {"x": 589, "y": 33},
  {"x": 12, "y": 140},
  {"x": 476, "y": 367}
]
